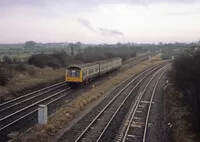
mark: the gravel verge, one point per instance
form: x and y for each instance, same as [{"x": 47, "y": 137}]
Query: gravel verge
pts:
[{"x": 159, "y": 131}]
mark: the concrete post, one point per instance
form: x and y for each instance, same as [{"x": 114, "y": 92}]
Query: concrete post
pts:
[{"x": 42, "y": 114}]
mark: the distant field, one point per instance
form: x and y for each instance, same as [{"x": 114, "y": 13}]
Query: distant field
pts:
[
  {"x": 17, "y": 56},
  {"x": 21, "y": 53}
]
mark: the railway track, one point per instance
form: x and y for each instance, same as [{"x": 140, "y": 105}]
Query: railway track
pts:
[
  {"x": 10, "y": 103},
  {"x": 94, "y": 131},
  {"x": 129, "y": 64},
  {"x": 137, "y": 122},
  {"x": 25, "y": 98},
  {"x": 20, "y": 102},
  {"x": 16, "y": 110}
]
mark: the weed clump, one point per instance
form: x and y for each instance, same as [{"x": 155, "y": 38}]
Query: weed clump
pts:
[{"x": 4, "y": 76}]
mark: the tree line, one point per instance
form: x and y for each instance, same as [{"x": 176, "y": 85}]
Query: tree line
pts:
[
  {"x": 9, "y": 66},
  {"x": 185, "y": 75}
]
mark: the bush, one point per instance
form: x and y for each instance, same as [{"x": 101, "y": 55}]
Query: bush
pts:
[
  {"x": 10, "y": 70},
  {"x": 55, "y": 63},
  {"x": 168, "y": 53},
  {"x": 62, "y": 57},
  {"x": 30, "y": 70},
  {"x": 186, "y": 77},
  {"x": 7, "y": 60},
  {"x": 54, "y": 60},
  {"x": 38, "y": 60},
  {"x": 4, "y": 76},
  {"x": 91, "y": 54}
]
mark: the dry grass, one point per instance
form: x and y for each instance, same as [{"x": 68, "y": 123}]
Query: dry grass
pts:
[
  {"x": 62, "y": 117},
  {"x": 24, "y": 80},
  {"x": 178, "y": 115}
]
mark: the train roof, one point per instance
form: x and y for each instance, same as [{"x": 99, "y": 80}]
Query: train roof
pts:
[{"x": 80, "y": 66}]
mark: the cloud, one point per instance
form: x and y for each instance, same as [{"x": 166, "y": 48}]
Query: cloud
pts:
[
  {"x": 92, "y": 20},
  {"x": 143, "y": 2},
  {"x": 86, "y": 24},
  {"x": 110, "y": 32},
  {"x": 21, "y": 2},
  {"x": 88, "y": 2},
  {"x": 182, "y": 1},
  {"x": 192, "y": 11}
]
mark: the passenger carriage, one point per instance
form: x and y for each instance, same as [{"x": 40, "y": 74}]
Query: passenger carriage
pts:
[{"x": 84, "y": 73}]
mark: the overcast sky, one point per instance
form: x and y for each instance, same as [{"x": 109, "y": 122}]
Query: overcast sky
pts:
[{"x": 99, "y": 21}]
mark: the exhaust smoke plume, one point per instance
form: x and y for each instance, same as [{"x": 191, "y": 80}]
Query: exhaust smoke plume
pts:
[
  {"x": 86, "y": 24},
  {"x": 110, "y": 32},
  {"x": 103, "y": 31}
]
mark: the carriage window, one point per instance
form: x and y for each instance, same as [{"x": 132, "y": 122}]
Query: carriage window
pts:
[
  {"x": 84, "y": 73},
  {"x": 91, "y": 70}
]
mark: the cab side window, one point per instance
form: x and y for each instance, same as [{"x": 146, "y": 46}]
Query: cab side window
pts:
[{"x": 84, "y": 73}]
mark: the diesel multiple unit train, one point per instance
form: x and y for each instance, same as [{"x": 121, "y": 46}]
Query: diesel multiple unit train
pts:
[{"x": 84, "y": 73}]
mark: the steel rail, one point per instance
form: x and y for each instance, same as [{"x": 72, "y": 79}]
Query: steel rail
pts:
[
  {"x": 10, "y": 101},
  {"x": 8, "y": 116},
  {"x": 111, "y": 119},
  {"x": 110, "y": 102},
  {"x": 31, "y": 97},
  {"x": 150, "y": 104},
  {"x": 13, "y": 122},
  {"x": 136, "y": 104}
]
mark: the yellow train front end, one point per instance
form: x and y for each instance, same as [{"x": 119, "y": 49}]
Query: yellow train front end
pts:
[{"x": 73, "y": 76}]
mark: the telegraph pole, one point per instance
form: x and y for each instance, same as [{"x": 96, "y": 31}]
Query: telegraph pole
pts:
[{"x": 72, "y": 50}]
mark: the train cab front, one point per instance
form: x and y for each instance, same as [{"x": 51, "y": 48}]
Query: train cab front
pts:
[{"x": 73, "y": 76}]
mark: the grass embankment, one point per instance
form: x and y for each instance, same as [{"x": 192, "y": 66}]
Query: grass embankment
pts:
[
  {"x": 69, "y": 111},
  {"x": 29, "y": 78},
  {"x": 17, "y": 79},
  {"x": 180, "y": 117}
]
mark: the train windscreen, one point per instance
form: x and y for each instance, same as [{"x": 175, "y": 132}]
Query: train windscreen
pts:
[{"x": 73, "y": 73}]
